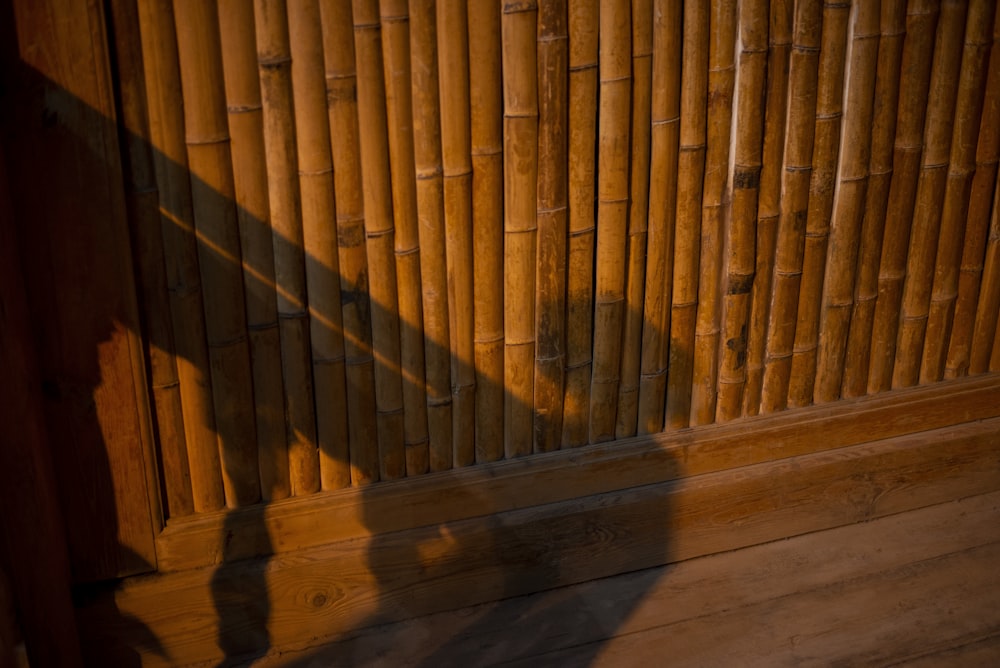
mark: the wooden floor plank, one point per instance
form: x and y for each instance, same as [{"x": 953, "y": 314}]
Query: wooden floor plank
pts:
[
  {"x": 593, "y": 620},
  {"x": 870, "y": 621}
]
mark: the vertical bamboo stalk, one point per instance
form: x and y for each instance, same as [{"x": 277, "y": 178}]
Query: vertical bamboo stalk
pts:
[
  {"x": 918, "y": 47},
  {"x": 274, "y": 62},
  {"x": 848, "y": 207},
  {"x": 985, "y": 328},
  {"x": 520, "y": 225},
  {"x": 242, "y": 84},
  {"x": 486, "y": 95},
  {"x": 892, "y": 26},
  {"x": 395, "y": 19},
  {"x": 142, "y": 201},
  {"x": 212, "y": 191},
  {"x": 166, "y": 131},
  {"x": 551, "y": 212},
  {"x": 768, "y": 198},
  {"x": 716, "y": 193},
  {"x": 930, "y": 194},
  {"x": 798, "y": 160},
  {"x": 954, "y": 212},
  {"x": 583, "y": 75},
  {"x": 431, "y": 230},
  {"x": 379, "y": 231},
  {"x": 829, "y": 111},
  {"x": 741, "y": 226},
  {"x": 612, "y": 214},
  {"x": 687, "y": 236},
  {"x": 977, "y": 222},
  {"x": 319, "y": 241},
  {"x": 638, "y": 215},
  {"x": 356, "y": 308},
  {"x": 456, "y": 149},
  {"x": 665, "y": 139}
]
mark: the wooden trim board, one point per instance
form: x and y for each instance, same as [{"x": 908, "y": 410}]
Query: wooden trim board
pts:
[
  {"x": 304, "y": 598},
  {"x": 296, "y": 524}
]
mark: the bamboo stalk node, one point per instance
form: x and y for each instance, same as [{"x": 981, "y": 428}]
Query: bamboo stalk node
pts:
[
  {"x": 274, "y": 63},
  {"x": 518, "y": 7},
  {"x": 658, "y": 122},
  {"x": 207, "y": 141},
  {"x": 227, "y": 343},
  {"x": 243, "y": 108}
]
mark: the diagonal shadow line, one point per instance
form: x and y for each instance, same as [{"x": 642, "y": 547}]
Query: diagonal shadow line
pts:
[{"x": 44, "y": 107}]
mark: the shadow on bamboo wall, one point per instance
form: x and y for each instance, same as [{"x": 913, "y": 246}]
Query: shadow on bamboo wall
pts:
[
  {"x": 538, "y": 243},
  {"x": 237, "y": 465},
  {"x": 559, "y": 245}
]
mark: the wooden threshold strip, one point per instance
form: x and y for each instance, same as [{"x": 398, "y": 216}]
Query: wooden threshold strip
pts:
[
  {"x": 311, "y": 596},
  {"x": 300, "y": 523}
]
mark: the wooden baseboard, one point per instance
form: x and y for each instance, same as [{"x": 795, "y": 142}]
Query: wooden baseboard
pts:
[
  {"x": 301, "y": 523},
  {"x": 309, "y": 596}
]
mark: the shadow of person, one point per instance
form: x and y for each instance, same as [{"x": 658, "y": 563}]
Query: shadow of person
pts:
[
  {"x": 242, "y": 602},
  {"x": 78, "y": 311}
]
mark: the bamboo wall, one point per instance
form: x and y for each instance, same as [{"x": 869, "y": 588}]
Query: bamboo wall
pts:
[{"x": 399, "y": 237}]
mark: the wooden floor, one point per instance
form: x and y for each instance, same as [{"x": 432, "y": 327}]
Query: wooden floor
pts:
[{"x": 920, "y": 588}]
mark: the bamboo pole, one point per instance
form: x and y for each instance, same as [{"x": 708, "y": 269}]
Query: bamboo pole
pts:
[
  {"x": 829, "y": 110},
  {"x": 395, "y": 20},
  {"x": 954, "y": 213},
  {"x": 612, "y": 214},
  {"x": 638, "y": 215},
  {"x": 583, "y": 75},
  {"x": 715, "y": 196},
  {"x": 551, "y": 213},
  {"x": 518, "y": 26},
  {"x": 687, "y": 236},
  {"x": 486, "y": 95},
  {"x": 849, "y": 205},
  {"x": 918, "y": 46},
  {"x": 768, "y": 198},
  {"x": 930, "y": 194},
  {"x": 379, "y": 231},
  {"x": 798, "y": 160},
  {"x": 212, "y": 190},
  {"x": 245, "y": 115},
  {"x": 665, "y": 139},
  {"x": 456, "y": 149},
  {"x": 978, "y": 223},
  {"x": 431, "y": 231},
  {"x": 741, "y": 225},
  {"x": 984, "y": 346},
  {"x": 274, "y": 64},
  {"x": 356, "y": 309},
  {"x": 892, "y": 25},
  {"x": 319, "y": 241},
  {"x": 142, "y": 202},
  {"x": 166, "y": 131}
]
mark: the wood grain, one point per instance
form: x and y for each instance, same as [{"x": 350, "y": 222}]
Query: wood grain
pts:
[
  {"x": 320, "y": 593},
  {"x": 596, "y": 618},
  {"x": 548, "y": 478}
]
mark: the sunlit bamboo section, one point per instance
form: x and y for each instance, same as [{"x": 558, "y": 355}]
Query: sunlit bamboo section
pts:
[{"x": 397, "y": 237}]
